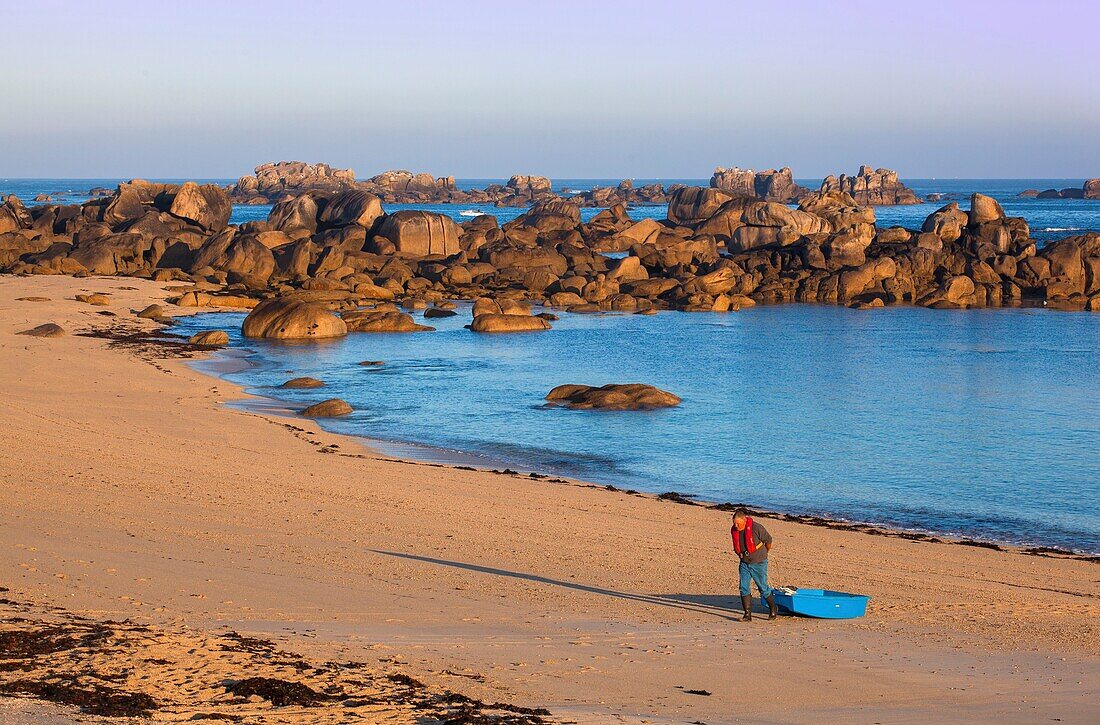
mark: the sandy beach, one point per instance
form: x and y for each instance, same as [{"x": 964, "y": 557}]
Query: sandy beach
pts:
[{"x": 132, "y": 491}]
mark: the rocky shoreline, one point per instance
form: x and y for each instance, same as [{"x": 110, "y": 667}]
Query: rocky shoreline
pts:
[{"x": 715, "y": 252}]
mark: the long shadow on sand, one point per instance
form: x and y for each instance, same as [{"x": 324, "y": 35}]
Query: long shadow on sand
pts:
[{"x": 716, "y": 605}]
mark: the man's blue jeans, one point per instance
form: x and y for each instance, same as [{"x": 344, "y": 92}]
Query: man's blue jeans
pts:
[{"x": 754, "y": 573}]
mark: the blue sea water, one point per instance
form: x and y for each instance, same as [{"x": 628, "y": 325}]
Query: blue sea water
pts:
[
  {"x": 980, "y": 422},
  {"x": 974, "y": 422}
]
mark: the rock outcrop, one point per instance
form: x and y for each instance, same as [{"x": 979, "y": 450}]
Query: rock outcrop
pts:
[
  {"x": 338, "y": 251},
  {"x": 272, "y": 181},
  {"x": 630, "y": 396},
  {"x": 877, "y": 187},
  {"x": 768, "y": 185},
  {"x": 421, "y": 233}
]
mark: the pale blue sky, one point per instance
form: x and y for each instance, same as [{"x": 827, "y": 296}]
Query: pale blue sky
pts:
[{"x": 565, "y": 89}]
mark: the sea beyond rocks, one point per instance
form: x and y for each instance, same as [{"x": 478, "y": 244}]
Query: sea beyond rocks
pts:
[{"x": 719, "y": 249}]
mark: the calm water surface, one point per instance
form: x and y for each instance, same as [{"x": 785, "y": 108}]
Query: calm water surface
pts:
[{"x": 981, "y": 422}]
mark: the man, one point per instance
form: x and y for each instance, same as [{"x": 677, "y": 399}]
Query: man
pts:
[{"x": 752, "y": 542}]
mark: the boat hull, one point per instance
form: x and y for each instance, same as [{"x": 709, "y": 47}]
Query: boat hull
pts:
[{"x": 823, "y": 604}]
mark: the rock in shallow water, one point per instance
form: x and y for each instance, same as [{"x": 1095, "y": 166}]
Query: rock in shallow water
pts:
[
  {"x": 290, "y": 319},
  {"x": 628, "y": 396},
  {"x": 375, "y": 321},
  {"x": 508, "y": 323},
  {"x": 210, "y": 337},
  {"x": 304, "y": 382},
  {"x": 331, "y": 408}
]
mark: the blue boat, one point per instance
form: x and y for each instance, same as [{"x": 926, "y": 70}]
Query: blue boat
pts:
[{"x": 822, "y": 603}]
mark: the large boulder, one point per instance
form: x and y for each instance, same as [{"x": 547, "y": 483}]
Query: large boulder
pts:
[
  {"x": 241, "y": 254},
  {"x": 299, "y": 212},
  {"x": 13, "y": 215},
  {"x": 282, "y": 318},
  {"x": 864, "y": 278},
  {"x": 421, "y": 233},
  {"x": 331, "y": 408},
  {"x": 131, "y": 200},
  {"x": 693, "y": 205},
  {"x": 984, "y": 209},
  {"x": 112, "y": 254},
  {"x": 947, "y": 222},
  {"x": 351, "y": 207},
  {"x": 630, "y": 396},
  {"x": 492, "y": 322},
  {"x": 642, "y": 231},
  {"x": 207, "y": 205}
]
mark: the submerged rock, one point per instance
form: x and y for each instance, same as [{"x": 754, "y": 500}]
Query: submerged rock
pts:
[{"x": 629, "y": 396}]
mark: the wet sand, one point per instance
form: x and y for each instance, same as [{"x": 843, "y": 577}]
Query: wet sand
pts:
[{"x": 133, "y": 491}]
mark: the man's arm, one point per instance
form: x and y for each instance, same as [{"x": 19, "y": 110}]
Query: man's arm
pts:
[{"x": 765, "y": 538}]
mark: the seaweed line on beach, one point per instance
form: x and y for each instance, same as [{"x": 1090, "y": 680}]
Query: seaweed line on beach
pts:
[{"x": 127, "y": 669}]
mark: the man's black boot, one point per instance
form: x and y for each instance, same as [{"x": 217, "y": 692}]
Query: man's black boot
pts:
[
  {"x": 746, "y": 604},
  {"x": 773, "y": 610}
]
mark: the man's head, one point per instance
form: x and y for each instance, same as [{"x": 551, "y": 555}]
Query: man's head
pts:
[{"x": 740, "y": 517}]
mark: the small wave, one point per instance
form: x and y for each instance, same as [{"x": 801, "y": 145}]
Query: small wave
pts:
[
  {"x": 469, "y": 212},
  {"x": 1060, "y": 229}
]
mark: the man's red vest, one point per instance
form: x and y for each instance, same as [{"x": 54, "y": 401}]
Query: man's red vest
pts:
[{"x": 749, "y": 543}]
